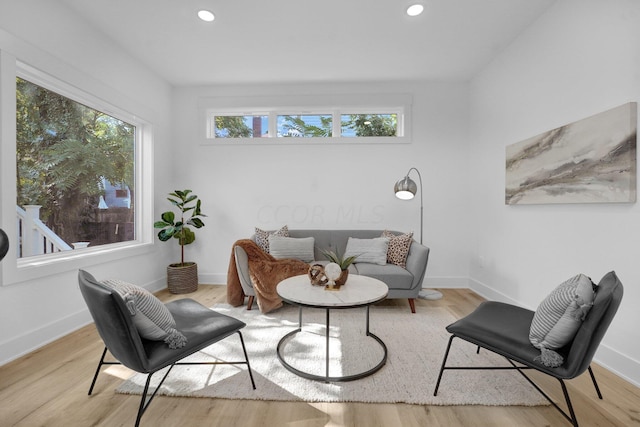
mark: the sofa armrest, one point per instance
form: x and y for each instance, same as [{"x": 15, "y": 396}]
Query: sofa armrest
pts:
[
  {"x": 242, "y": 266},
  {"x": 417, "y": 263}
]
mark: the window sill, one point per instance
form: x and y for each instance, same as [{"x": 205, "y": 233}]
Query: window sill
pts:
[
  {"x": 37, "y": 267},
  {"x": 363, "y": 140}
]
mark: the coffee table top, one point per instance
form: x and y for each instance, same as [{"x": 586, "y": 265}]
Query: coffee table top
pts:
[{"x": 358, "y": 291}]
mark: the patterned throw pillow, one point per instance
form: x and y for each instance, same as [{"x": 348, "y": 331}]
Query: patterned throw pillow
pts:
[
  {"x": 399, "y": 246},
  {"x": 559, "y": 316},
  {"x": 262, "y": 237},
  {"x": 150, "y": 316}
]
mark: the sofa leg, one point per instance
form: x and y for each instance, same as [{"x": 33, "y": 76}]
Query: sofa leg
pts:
[
  {"x": 250, "y": 302},
  {"x": 412, "y": 304}
]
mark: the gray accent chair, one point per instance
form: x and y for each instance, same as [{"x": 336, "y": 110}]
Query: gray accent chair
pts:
[
  {"x": 504, "y": 329},
  {"x": 199, "y": 324},
  {"x": 402, "y": 282}
]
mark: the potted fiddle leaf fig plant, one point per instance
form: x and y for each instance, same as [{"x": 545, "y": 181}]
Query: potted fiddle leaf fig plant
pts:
[{"x": 182, "y": 277}]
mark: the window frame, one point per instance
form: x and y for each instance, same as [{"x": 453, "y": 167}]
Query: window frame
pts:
[
  {"x": 16, "y": 270},
  {"x": 336, "y": 105}
]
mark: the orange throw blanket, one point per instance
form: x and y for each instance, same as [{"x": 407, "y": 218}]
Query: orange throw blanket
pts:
[{"x": 265, "y": 271}]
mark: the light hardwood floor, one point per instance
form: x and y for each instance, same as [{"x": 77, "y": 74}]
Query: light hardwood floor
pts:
[{"x": 49, "y": 388}]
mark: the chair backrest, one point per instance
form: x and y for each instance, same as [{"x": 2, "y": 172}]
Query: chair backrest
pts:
[
  {"x": 114, "y": 323},
  {"x": 583, "y": 348}
]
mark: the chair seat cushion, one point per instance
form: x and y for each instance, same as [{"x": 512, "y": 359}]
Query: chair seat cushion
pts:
[
  {"x": 202, "y": 327},
  {"x": 503, "y": 329},
  {"x": 394, "y": 276}
]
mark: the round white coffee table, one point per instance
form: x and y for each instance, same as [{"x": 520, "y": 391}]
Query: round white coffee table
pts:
[{"x": 359, "y": 291}]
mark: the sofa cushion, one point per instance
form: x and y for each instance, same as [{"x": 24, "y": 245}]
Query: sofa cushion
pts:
[
  {"x": 394, "y": 276},
  {"x": 290, "y": 247},
  {"x": 262, "y": 236},
  {"x": 399, "y": 246},
  {"x": 372, "y": 251},
  {"x": 150, "y": 316},
  {"x": 560, "y": 314}
]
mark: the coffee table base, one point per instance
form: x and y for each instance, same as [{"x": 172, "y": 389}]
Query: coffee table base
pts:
[{"x": 327, "y": 378}]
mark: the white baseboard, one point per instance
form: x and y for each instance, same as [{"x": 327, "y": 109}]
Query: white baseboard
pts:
[
  {"x": 26, "y": 343},
  {"x": 444, "y": 282},
  {"x": 620, "y": 364},
  {"x": 212, "y": 279}
]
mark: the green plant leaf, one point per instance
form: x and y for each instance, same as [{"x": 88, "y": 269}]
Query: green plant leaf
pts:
[
  {"x": 196, "y": 222},
  {"x": 160, "y": 224},
  {"x": 166, "y": 234},
  {"x": 186, "y": 237},
  {"x": 168, "y": 217}
]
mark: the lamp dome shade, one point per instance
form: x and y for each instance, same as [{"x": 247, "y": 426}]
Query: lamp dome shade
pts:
[
  {"x": 405, "y": 189},
  {"x": 4, "y": 243}
]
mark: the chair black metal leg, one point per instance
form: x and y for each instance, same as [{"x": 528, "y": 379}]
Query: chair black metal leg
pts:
[
  {"x": 144, "y": 402},
  {"x": 595, "y": 383},
  {"x": 95, "y": 377},
  {"x": 246, "y": 358},
  {"x": 573, "y": 418},
  {"x": 444, "y": 361},
  {"x": 100, "y": 364}
]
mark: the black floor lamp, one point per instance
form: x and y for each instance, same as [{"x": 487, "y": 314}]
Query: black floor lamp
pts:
[
  {"x": 4, "y": 243},
  {"x": 406, "y": 189}
]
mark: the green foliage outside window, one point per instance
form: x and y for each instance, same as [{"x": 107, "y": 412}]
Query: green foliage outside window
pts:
[
  {"x": 369, "y": 124},
  {"x": 65, "y": 152}
]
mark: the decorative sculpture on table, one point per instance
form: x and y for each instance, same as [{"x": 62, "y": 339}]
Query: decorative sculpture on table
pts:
[
  {"x": 333, "y": 272},
  {"x": 317, "y": 275}
]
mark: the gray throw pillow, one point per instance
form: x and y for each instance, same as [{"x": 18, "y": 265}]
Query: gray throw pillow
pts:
[
  {"x": 372, "y": 251},
  {"x": 150, "y": 316},
  {"x": 291, "y": 247}
]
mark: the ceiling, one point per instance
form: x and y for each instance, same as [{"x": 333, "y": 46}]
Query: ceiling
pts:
[{"x": 260, "y": 41}]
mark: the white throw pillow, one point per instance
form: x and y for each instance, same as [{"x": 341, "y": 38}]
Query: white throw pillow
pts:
[
  {"x": 291, "y": 247},
  {"x": 372, "y": 251},
  {"x": 150, "y": 316}
]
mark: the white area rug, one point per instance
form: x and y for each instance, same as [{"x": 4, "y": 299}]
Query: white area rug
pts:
[{"x": 415, "y": 342}]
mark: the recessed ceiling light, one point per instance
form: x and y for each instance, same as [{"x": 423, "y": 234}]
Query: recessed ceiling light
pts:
[
  {"x": 415, "y": 9},
  {"x": 206, "y": 15}
]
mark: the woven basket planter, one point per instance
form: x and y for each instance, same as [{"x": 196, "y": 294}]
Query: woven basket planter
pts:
[{"x": 182, "y": 279}]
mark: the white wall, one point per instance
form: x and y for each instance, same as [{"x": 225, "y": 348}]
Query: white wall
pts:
[
  {"x": 47, "y": 36},
  {"x": 332, "y": 186},
  {"x": 580, "y": 58}
]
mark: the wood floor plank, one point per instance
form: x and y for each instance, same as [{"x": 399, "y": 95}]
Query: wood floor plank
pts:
[{"x": 48, "y": 387}]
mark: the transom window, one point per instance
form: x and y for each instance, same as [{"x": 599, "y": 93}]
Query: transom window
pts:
[
  {"x": 307, "y": 118},
  {"x": 304, "y": 125}
]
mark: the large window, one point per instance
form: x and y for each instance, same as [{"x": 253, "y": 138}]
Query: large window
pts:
[{"x": 76, "y": 174}]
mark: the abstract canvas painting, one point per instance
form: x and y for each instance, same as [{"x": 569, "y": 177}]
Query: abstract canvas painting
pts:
[{"x": 592, "y": 160}]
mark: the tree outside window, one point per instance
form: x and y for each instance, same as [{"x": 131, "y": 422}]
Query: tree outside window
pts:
[{"x": 77, "y": 163}]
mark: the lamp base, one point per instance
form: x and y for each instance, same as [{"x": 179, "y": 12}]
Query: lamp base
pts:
[{"x": 430, "y": 294}]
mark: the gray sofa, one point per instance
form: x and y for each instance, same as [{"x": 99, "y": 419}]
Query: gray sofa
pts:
[{"x": 402, "y": 282}]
